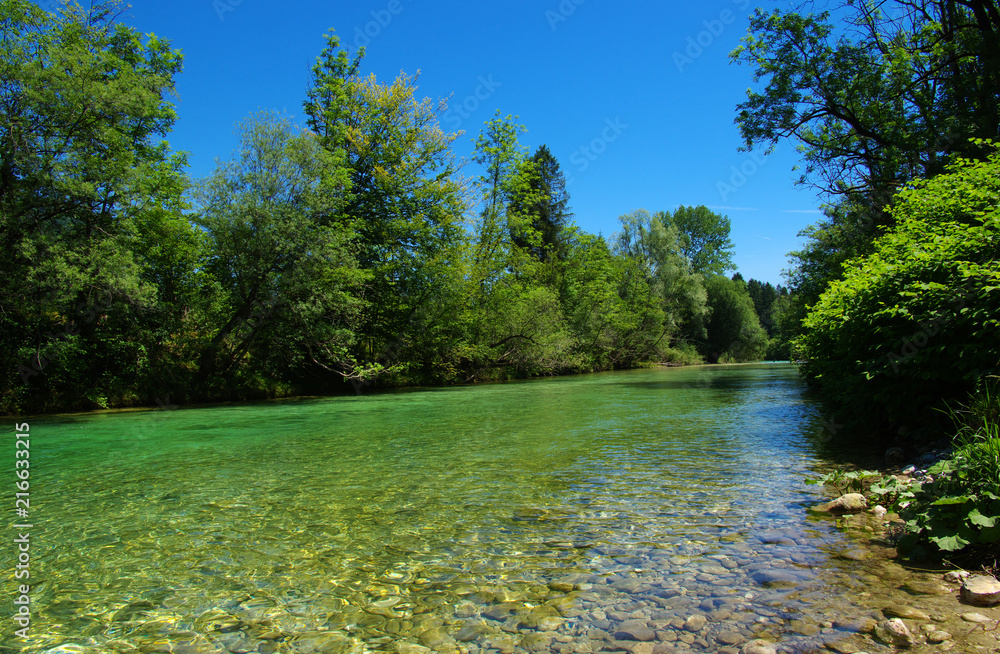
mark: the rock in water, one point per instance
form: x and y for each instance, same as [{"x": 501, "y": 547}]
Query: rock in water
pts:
[
  {"x": 981, "y": 590},
  {"x": 894, "y": 632},
  {"x": 760, "y": 647},
  {"x": 957, "y": 576},
  {"x": 845, "y": 504},
  {"x": 906, "y": 612}
]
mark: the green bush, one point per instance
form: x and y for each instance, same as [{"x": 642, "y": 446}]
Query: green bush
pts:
[
  {"x": 959, "y": 511},
  {"x": 916, "y": 324}
]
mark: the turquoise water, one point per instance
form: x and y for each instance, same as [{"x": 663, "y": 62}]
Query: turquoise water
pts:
[{"x": 375, "y": 522}]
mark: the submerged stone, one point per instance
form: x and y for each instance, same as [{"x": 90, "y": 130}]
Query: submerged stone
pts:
[
  {"x": 905, "y": 612},
  {"x": 894, "y": 632}
]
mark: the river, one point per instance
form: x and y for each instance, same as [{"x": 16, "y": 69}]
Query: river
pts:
[{"x": 653, "y": 510}]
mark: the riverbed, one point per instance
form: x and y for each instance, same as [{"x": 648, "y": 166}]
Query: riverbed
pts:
[{"x": 643, "y": 511}]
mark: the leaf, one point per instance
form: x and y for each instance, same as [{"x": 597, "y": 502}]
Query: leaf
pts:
[
  {"x": 948, "y": 501},
  {"x": 980, "y": 520},
  {"x": 951, "y": 543}
]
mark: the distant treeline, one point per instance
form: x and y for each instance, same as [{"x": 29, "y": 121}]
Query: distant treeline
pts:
[{"x": 326, "y": 258}]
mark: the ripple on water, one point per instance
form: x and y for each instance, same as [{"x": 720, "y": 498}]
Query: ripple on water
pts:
[{"x": 571, "y": 515}]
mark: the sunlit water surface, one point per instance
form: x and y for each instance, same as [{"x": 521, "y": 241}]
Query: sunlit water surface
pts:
[{"x": 555, "y": 515}]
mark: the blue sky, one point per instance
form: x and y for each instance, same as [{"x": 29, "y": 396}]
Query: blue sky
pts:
[{"x": 635, "y": 100}]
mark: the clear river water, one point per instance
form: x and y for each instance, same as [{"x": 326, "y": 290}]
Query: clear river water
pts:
[{"x": 645, "y": 511}]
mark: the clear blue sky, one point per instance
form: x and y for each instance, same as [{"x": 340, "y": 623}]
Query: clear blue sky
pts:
[{"x": 635, "y": 100}]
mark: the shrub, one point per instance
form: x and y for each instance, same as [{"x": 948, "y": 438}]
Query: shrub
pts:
[
  {"x": 915, "y": 324},
  {"x": 959, "y": 511}
]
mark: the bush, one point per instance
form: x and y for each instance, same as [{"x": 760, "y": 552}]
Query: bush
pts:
[
  {"x": 958, "y": 513},
  {"x": 914, "y": 325}
]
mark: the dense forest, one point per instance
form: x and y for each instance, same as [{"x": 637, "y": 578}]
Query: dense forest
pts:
[{"x": 329, "y": 257}]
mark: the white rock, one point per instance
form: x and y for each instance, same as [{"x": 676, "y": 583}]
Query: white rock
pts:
[
  {"x": 981, "y": 590},
  {"x": 977, "y": 618},
  {"x": 759, "y": 647},
  {"x": 850, "y": 503},
  {"x": 894, "y": 632},
  {"x": 879, "y": 512}
]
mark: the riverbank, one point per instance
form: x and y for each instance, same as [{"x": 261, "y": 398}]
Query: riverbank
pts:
[
  {"x": 924, "y": 610},
  {"x": 932, "y": 606}
]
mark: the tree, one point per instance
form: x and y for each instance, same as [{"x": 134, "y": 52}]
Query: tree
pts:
[
  {"x": 889, "y": 98},
  {"x": 403, "y": 203},
  {"x": 657, "y": 249},
  {"x": 278, "y": 253},
  {"x": 84, "y": 181},
  {"x": 704, "y": 238},
  {"x": 545, "y": 208},
  {"x": 765, "y": 297},
  {"x": 734, "y": 333},
  {"x": 891, "y": 95},
  {"x": 913, "y": 326}
]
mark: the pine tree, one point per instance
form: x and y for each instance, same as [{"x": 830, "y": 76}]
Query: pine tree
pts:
[{"x": 545, "y": 208}]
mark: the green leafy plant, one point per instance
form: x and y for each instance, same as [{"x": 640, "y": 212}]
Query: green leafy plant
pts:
[
  {"x": 959, "y": 510},
  {"x": 911, "y": 326},
  {"x": 887, "y": 491},
  {"x": 855, "y": 481}
]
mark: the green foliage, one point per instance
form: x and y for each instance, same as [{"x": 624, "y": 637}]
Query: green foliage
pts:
[
  {"x": 887, "y": 491},
  {"x": 348, "y": 251},
  {"x": 703, "y": 236},
  {"x": 544, "y": 208},
  {"x": 85, "y": 184},
  {"x": 913, "y": 326},
  {"x": 403, "y": 201},
  {"x": 872, "y": 96},
  {"x": 953, "y": 513},
  {"x": 734, "y": 334},
  {"x": 877, "y": 100},
  {"x": 279, "y": 258}
]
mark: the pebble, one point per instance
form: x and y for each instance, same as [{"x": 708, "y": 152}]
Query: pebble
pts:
[
  {"x": 937, "y": 637},
  {"x": 957, "y": 576},
  {"x": 773, "y": 578},
  {"x": 411, "y": 648},
  {"x": 473, "y": 631},
  {"x": 804, "y": 628},
  {"x": 695, "y": 623},
  {"x": 977, "y": 618},
  {"x": 434, "y": 637},
  {"x": 926, "y": 588},
  {"x": 905, "y": 612},
  {"x": 730, "y": 638},
  {"x": 759, "y": 647},
  {"x": 850, "y": 503},
  {"x": 894, "y": 632}
]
